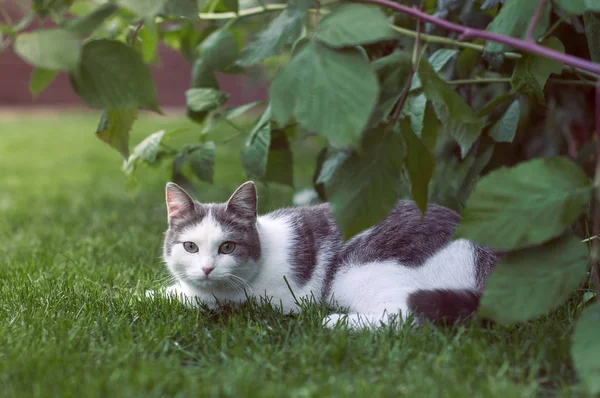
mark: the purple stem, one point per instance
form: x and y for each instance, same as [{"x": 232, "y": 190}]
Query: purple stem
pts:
[
  {"x": 536, "y": 16},
  {"x": 470, "y": 33}
]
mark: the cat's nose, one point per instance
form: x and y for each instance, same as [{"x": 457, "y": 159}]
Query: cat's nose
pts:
[{"x": 208, "y": 270}]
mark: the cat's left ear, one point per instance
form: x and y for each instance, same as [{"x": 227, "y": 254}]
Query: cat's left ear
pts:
[
  {"x": 179, "y": 203},
  {"x": 243, "y": 201}
]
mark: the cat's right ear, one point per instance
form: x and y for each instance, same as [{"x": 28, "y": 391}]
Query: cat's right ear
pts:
[{"x": 179, "y": 203}]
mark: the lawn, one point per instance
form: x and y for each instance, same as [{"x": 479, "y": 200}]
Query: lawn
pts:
[{"x": 77, "y": 251}]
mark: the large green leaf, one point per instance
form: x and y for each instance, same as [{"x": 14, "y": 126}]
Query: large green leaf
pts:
[
  {"x": 149, "y": 36},
  {"x": 203, "y": 75},
  {"x": 114, "y": 128},
  {"x": 219, "y": 50},
  {"x": 365, "y": 187},
  {"x": 513, "y": 20},
  {"x": 354, "y": 24},
  {"x": 578, "y": 6},
  {"x": 202, "y": 160},
  {"x": 532, "y": 71},
  {"x": 54, "y": 49},
  {"x": 592, "y": 32},
  {"x": 414, "y": 108},
  {"x": 419, "y": 164},
  {"x": 143, "y": 8},
  {"x": 283, "y": 30},
  {"x": 585, "y": 348},
  {"x": 315, "y": 88},
  {"x": 504, "y": 130},
  {"x": 255, "y": 153},
  {"x": 458, "y": 119},
  {"x": 280, "y": 160},
  {"x": 525, "y": 205},
  {"x": 113, "y": 76},
  {"x": 531, "y": 282},
  {"x": 204, "y": 99},
  {"x": 87, "y": 24},
  {"x": 40, "y": 79}
]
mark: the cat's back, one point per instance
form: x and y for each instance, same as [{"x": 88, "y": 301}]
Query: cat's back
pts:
[{"x": 404, "y": 235}]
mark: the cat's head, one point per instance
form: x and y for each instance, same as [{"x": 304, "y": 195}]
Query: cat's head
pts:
[{"x": 212, "y": 245}]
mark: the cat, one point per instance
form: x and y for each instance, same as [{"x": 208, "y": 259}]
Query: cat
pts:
[
  {"x": 408, "y": 264},
  {"x": 220, "y": 253}
]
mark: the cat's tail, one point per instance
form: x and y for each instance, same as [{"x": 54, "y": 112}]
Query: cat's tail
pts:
[{"x": 444, "y": 306}]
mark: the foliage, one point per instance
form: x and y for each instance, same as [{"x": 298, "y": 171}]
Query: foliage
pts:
[{"x": 509, "y": 143}]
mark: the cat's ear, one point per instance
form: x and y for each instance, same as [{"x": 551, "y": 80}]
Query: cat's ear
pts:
[
  {"x": 179, "y": 203},
  {"x": 243, "y": 201}
]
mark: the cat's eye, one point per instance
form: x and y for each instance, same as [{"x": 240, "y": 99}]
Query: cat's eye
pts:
[
  {"x": 227, "y": 248},
  {"x": 190, "y": 247}
]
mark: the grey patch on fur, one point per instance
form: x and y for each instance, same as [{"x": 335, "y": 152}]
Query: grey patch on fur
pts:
[
  {"x": 192, "y": 218},
  {"x": 317, "y": 239},
  {"x": 485, "y": 261},
  {"x": 238, "y": 230},
  {"x": 443, "y": 306},
  {"x": 404, "y": 237}
]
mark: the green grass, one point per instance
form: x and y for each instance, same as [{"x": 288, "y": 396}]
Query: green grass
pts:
[{"x": 76, "y": 252}]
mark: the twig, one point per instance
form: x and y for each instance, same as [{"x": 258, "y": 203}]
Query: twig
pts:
[
  {"x": 493, "y": 80},
  {"x": 406, "y": 89},
  {"x": 555, "y": 26},
  {"x": 244, "y": 13},
  {"x": 534, "y": 20},
  {"x": 471, "y": 33},
  {"x": 317, "y": 14}
]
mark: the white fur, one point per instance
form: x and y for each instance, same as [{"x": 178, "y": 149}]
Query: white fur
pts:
[
  {"x": 264, "y": 278},
  {"x": 374, "y": 292}
]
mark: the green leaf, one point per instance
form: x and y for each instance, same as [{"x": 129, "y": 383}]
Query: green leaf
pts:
[
  {"x": 513, "y": 20},
  {"x": 585, "y": 348},
  {"x": 419, "y": 164},
  {"x": 112, "y": 75},
  {"x": 87, "y": 24},
  {"x": 414, "y": 108},
  {"x": 50, "y": 7},
  {"x": 280, "y": 160},
  {"x": 458, "y": 119},
  {"x": 504, "y": 130},
  {"x": 532, "y": 71},
  {"x": 40, "y": 79},
  {"x": 283, "y": 30},
  {"x": 525, "y": 205},
  {"x": 203, "y": 76},
  {"x": 149, "y": 36},
  {"x": 202, "y": 160},
  {"x": 365, "y": 187},
  {"x": 204, "y": 99},
  {"x": 143, "y": 8},
  {"x": 530, "y": 282},
  {"x": 181, "y": 8},
  {"x": 318, "y": 79},
  {"x": 592, "y": 32},
  {"x": 437, "y": 60},
  {"x": 579, "y": 6},
  {"x": 219, "y": 50},
  {"x": 354, "y": 24},
  {"x": 255, "y": 153},
  {"x": 429, "y": 131},
  {"x": 114, "y": 128},
  {"x": 478, "y": 162},
  {"x": 53, "y": 49},
  {"x": 332, "y": 162},
  {"x": 146, "y": 151}
]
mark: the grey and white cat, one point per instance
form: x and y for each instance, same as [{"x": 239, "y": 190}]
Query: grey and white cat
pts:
[{"x": 224, "y": 252}]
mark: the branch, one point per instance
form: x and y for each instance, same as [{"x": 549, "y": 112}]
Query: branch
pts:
[
  {"x": 534, "y": 20},
  {"x": 406, "y": 89},
  {"x": 471, "y": 33},
  {"x": 244, "y": 13}
]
